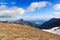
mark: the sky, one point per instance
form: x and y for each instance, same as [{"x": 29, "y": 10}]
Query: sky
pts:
[{"x": 29, "y": 9}]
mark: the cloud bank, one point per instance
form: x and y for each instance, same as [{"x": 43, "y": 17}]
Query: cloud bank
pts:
[
  {"x": 57, "y": 13},
  {"x": 10, "y": 12},
  {"x": 38, "y": 5},
  {"x": 3, "y": 3},
  {"x": 57, "y": 7}
]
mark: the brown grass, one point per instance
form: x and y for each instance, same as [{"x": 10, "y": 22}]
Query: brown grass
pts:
[{"x": 22, "y": 32}]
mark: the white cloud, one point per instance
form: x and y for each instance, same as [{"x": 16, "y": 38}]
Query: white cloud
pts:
[
  {"x": 56, "y": 15},
  {"x": 3, "y": 7},
  {"x": 38, "y": 5},
  {"x": 57, "y": 7},
  {"x": 10, "y": 12},
  {"x": 3, "y": 3},
  {"x": 14, "y": 11}
]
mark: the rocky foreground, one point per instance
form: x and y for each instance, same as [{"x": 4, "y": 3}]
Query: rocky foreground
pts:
[{"x": 22, "y": 32}]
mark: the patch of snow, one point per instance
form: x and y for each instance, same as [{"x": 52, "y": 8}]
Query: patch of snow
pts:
[{"x": 55, "y": 30}]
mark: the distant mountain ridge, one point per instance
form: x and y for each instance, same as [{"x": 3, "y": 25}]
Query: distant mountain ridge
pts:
[
  {"x": 24, "y": 22},
  {"x": 38, "y": 21},
  {"x": 54, "y": 22}
]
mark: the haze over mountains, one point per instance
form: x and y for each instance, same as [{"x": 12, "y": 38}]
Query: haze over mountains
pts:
[
  {"x": 52, "y": 25},
  {"x": 32, "y": 23},
  {"x": 54, "y": 22}
]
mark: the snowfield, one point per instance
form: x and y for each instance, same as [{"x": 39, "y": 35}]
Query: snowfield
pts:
[{"x": 55, "y": 30}]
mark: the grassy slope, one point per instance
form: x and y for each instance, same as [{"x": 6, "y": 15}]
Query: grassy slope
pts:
[{"x": 22, "y": 32}]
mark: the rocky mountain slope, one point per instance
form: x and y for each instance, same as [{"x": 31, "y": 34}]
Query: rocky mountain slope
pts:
[
  {"x": 54, "y": 22},
  {"x": 23, "y": 32}
]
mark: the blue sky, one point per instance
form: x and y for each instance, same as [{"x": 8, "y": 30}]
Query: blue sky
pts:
[{"x": 29, "y": 9}]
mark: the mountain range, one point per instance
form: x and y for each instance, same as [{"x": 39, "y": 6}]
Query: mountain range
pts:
[
  {"x": 54, "y": 22},
  {"x": 52, "y": 25},
  {"x": 24, "y": 22}
]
